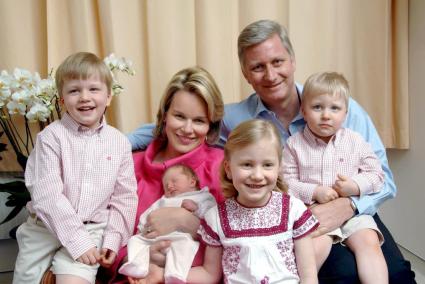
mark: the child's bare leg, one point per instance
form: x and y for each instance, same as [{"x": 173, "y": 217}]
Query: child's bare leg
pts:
[
  {"x": 70, "y": 279},
  {"x": 322, "y": 247},
  {"x": 371, "y": 265}
]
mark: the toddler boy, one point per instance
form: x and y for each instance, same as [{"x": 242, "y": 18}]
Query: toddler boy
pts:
[{"x": 327, "y": 161}]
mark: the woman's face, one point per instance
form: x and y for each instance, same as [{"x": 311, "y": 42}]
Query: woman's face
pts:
[{"x": 186, "y": 123}]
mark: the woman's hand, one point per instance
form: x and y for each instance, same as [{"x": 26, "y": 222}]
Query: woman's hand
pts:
[{"x": 166, "y": 220}]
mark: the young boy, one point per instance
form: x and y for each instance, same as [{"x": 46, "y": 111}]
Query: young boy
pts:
[
  {"x": 81, "y": 178},
  {"x": 326, "y": 161},
  {"x": 181, "y": 189}
]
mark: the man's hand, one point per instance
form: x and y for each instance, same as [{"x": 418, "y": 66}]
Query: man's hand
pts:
[
  {"x": 324, "y": 194},
  {"x": 107, "y": 257},
  {"x": 345, "y": 186},
  {"x": 331, "y": 215},
  {"x": 90, "y": 257}
]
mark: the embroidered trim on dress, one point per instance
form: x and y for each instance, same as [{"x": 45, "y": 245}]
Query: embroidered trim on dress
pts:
[{"x": 230, "y": 206}]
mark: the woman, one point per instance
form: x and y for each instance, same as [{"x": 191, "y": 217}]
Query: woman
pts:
[{"x": 188, "y": 121}]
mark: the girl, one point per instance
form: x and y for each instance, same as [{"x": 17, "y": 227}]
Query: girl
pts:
[{"x": 259, "y": 234}]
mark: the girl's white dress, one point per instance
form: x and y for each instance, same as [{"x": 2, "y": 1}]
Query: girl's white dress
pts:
[{"x": 258, "y": 243}]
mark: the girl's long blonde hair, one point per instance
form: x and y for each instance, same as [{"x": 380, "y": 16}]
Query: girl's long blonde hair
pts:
[{"x": 245, "y": 134}]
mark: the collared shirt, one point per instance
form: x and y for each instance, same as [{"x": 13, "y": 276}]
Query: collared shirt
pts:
[
  {"x": 252, "y": 107},
  {"x": 308, "y": 162},
  {"x": 75, "y": 175}
]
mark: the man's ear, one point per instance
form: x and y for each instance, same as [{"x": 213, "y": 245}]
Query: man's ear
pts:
[
  {"x": 243, "y": 68},
  {"x": 294, "y": 63},
  {"x": 227, "y": 169}
]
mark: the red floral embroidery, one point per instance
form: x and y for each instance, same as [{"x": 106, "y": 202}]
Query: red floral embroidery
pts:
[
  {"x": 238, "y": 221},
  {"x": 286, "y": 249},
  {"x": 231, "y": 259}
]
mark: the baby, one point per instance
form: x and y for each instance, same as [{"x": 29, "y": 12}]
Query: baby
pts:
[{"x": 181, "y": 188}]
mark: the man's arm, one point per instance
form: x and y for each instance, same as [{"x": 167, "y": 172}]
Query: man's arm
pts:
[
  {"x": 359, "y": 121},
  {"x": 141, "y": 137}
]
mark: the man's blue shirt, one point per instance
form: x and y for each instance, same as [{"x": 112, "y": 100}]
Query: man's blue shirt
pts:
[{"x": 252, "y": 107}]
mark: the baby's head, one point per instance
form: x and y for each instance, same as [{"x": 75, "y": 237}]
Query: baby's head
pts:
[
  {"x": 178, "y": 179},
  {"x": 252, "y": 159},
  {"x": 84, "y": 84},
  {"x": 325, "y": 103}
]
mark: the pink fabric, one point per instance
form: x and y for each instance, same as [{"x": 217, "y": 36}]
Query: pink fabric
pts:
[
  {"x": 204, "y": 160},
  {"x": 308, "y": 162},
  {"x": 76, "y": 174}
]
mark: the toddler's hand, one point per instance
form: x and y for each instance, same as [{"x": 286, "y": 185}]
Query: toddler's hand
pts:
[
  {"x": 189, "y": 205},
  {"x": 324, "y": 194},
  {"x": 107, "y": 257},
  {"x": 90, "y": 257},
  {"x": 345, "y": 186}
]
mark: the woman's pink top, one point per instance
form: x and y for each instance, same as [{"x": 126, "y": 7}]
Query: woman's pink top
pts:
[{"x": 204, "y": 160}]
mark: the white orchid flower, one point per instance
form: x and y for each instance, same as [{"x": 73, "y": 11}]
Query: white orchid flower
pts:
[
  {"x": 38, "y": 112},
  {"x": 15, "y": 107}
]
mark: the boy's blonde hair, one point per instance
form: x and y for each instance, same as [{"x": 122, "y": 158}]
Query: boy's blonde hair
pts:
[
  {"x": 82, "y": 65},
  {"x": 331, "y": 83},
  {"x": 246, "y": 134},
  {"x": 187, "y": 171},
  {"x": 198, "y": 82}
]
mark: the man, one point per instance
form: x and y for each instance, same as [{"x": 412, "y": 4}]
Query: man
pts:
[{"x": 268, "y": 64}]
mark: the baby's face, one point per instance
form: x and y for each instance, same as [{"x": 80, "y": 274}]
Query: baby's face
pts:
[{"x": 176, "y": 182}]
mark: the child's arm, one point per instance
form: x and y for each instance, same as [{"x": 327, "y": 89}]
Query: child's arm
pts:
[
  {"x": 291, "y": 175},
  {"x": 370, "y": 177},
  {"x": 210, "y": 271},
  {"x": 122, "y": 205},
  {"x": 305, "y": 259},
  {"x": 43, "y": 178}
]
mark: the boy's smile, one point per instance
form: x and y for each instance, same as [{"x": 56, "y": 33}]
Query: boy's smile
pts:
[{"x": 86, "y": 100}]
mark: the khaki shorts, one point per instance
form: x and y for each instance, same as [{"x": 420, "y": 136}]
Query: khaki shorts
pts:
[
  {"x": 353, "y": 225},
  {"x": 39, "y": 250}
]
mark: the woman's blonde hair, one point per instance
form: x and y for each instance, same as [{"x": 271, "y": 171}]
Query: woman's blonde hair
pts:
[
  {"x": 82, "y": 65},
  {"x": 246, "y": 134},
  {"x": 198, "y": 82},
  {"x": 331, "y": 83}
]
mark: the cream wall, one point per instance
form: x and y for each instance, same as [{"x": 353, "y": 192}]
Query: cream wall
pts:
[{"x": 405, "y": 215}]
